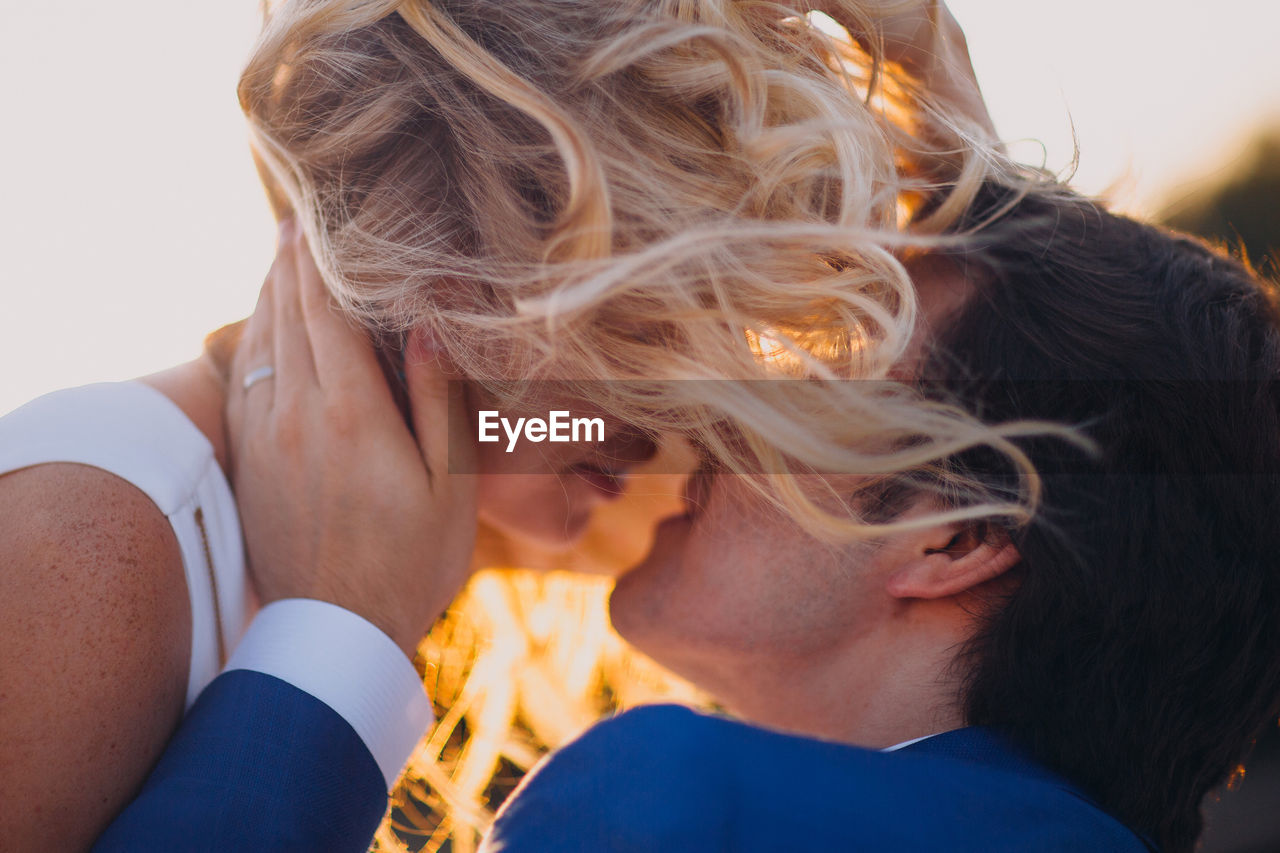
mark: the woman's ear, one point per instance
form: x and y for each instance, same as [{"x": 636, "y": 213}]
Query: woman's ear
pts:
[{"x": 951, "y": 559}]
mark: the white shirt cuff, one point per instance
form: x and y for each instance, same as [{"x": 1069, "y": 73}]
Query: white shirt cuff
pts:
[{"x": 348, "y": 664}]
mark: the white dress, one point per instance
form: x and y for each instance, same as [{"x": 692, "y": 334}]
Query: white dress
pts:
[{"x": 138, "y": 434}]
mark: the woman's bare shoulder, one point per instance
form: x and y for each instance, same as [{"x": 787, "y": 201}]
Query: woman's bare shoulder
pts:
[
  {"x": 90, "y": 535},
  {"x": 95, "y": 635}
]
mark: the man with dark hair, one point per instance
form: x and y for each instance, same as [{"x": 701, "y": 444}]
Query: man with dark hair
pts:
[
  {"x": 1102, "y": 666},
  {"x": 1138, "y": 651}
]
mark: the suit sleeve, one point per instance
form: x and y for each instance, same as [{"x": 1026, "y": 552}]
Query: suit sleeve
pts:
[
  {"x": 292, "y": 747},
  {"x": 643, "y": 781}
]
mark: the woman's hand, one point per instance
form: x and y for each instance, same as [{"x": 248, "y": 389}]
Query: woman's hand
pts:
[
  {"x": 925, "y": 40},
  {"x": 338, "y": 500}
]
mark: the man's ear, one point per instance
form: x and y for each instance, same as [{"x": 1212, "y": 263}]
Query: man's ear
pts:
[{"x": 951, "y": 559}]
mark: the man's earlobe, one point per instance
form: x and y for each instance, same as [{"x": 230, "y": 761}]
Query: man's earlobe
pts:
[{"x": 957, "y": 560}]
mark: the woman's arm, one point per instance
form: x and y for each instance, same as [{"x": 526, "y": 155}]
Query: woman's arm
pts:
[
  {"x": 95, "y": 638},
  {"x": 340, "y": 503}
]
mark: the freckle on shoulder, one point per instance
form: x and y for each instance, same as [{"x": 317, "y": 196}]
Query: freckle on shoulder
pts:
[
  {"x": 95, "y": 632},
  {"x": 85, "y": 535}
]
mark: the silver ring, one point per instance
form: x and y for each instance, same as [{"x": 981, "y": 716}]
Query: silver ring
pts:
[{"x": 257, "y": 375}]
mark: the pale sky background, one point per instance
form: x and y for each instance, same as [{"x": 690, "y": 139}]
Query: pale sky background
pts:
[{"x": 131, "y": 221}]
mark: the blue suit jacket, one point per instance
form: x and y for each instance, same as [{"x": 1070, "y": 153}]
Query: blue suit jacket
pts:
[
  {"x": 261, "y": 765},
  {"x": 256, "y": 765},
  {"x": 665, "y": 778}
]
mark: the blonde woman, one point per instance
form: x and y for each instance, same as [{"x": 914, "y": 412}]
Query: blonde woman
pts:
[{"x": 578, "y": 191}]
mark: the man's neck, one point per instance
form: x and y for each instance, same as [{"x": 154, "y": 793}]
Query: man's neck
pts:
[{"x": 875, "y": 700}]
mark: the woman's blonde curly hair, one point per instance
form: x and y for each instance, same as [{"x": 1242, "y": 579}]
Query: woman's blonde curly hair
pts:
[{"x": 641, "y": 191}]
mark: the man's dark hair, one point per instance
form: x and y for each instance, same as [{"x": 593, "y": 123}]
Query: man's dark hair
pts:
[{"x": 1139, "y": 652}]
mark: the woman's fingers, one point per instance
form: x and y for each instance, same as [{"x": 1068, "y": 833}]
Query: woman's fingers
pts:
[
  {"x": 254, "y": 354},
  {"x": 335, "y": 500},
  {"x": 907, "y": 33},
  {"x": 442, "y": 426},
  {"x": 926, "y": 40},
  {"x": 344, "y": 356},
  {"x": 440, "y": 419},
  {"x": 254, "y": 349},
  {"x": 347, "y": 370},
  {"x": 292, "y": 351}
]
